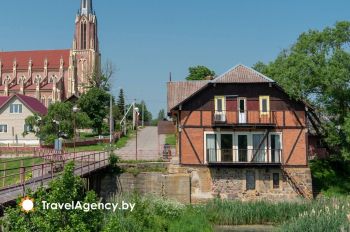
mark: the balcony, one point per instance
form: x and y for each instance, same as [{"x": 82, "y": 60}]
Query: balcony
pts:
[
  {"x": 244, "y": 118},
  {"x": 262, "y": 157}
]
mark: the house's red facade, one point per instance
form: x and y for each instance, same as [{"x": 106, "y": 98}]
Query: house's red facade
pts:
[{"x": 239, "y": 119}]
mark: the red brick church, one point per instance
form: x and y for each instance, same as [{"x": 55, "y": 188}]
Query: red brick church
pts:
[{"x": 54, "y": 75}]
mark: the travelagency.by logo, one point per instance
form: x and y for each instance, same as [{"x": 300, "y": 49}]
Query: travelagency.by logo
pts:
[{"x": 27, "y": 205}]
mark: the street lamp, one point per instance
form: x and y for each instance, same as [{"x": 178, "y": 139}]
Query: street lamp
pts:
[
  {"x": 136, "y": 113},
  {"x": 75, "y": 110}
]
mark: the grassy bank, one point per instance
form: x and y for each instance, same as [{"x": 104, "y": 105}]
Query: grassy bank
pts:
[
  {"x": 13, "y": 169},
  {"x": 164, "y": 215},
  {"x": 102, "y": 146}
]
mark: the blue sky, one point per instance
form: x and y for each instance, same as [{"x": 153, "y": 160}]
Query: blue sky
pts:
[{"x": 147, "y": 39}]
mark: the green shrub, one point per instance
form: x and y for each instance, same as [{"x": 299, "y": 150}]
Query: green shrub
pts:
[{"x": 64, "y": 189}]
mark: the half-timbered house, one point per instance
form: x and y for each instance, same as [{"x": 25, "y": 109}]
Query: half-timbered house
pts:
[{"x": 241, "y": 136}]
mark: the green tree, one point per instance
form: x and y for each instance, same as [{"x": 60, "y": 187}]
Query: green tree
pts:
[
  {"x": 317, "y": 69},
  {"x": 161, "y": 115},
  {"x": 147, "y": 114},
  {"x": 95, "y": 103},
  {"x": 65, "y": 189},
  {"x": 59, "y": 121},
  {"x": 121, "y": 102},
  {"x": 199, "y": 73}
]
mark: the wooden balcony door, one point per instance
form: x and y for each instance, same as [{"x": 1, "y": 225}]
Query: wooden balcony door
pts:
[{"x": 242, "y": 110}]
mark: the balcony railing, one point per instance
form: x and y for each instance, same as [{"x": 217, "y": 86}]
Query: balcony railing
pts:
[
  {"x": 261, "y": 156},
  {"x": 244, "y": 117}
]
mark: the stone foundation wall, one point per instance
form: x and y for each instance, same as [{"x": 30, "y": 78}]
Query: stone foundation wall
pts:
[
  {"x": 194, "y": 184},
  {"x": 231, "y": 183},
  {"x": 176, "y": 187}
]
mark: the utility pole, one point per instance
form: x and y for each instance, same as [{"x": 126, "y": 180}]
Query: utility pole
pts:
[
  {"x": 143, "y": 114},
  {"x": 136, "y": 133},
  {"x": 136, "y": 115},
  {"x": 125, "y": 120},
  {"x": 133, "y": 115},
  {"x": 110, "y": 121}
]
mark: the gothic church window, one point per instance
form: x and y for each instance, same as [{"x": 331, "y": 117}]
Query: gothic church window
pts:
[{"x": 83, "y": 35}]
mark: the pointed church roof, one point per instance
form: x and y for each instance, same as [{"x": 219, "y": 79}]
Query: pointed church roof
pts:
[
  {"x": 86, "y": 7},
  {"x": 242, "y": 74}
]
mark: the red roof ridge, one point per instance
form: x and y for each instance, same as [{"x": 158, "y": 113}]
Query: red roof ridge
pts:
[{"x": 38, "y": 50}]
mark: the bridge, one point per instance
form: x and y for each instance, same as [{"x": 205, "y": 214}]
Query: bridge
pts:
[{"x": 17, "y": 175}]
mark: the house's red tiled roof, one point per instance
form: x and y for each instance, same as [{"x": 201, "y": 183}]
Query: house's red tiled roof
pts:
[
  {"x": 38, "y": 57},
  {"x": 180, "y": 91},
  {"x": 242, "y": 74},
  {"x": 3, "y": 100},
  {"x": 32, "y": 103}
]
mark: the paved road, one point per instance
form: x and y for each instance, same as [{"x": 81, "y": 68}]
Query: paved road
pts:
[{"x": 148, "y": 145}]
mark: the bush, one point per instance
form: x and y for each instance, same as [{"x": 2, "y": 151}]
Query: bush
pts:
[{"x": 64, "y": 189}]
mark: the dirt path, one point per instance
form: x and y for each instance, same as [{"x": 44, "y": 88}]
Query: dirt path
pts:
[{"x": 147, "y": 143}]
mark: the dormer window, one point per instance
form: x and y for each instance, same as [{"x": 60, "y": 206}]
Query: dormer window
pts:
[
  {"x": 15, "y": 108},
  {"x": 264, "y": 103},
  {"x": 220, "y": 108}
]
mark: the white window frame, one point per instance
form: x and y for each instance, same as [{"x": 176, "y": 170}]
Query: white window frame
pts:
[
  {"x": 7, "y": 128},
  {"x": 281, "y": 142},
  {"x": 267, "y": 98},
  {"x": 235, "y": 135},
  {"x": 249, "y": 145},
  {"x": 19, "y": 111}
]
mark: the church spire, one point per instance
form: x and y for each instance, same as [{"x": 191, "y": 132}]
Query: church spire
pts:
[{"x": 86, "y": 7}]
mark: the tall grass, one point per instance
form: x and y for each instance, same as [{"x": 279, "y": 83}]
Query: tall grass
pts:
[
  {"x": 223, "y": 212},
  {"x": 157, "y": 214}
]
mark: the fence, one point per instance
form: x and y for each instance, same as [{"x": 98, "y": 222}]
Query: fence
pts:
[{"x": 40, "y": 169}]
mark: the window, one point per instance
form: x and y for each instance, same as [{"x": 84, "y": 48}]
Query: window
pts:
[
  {"x": 16, "y": 108},
  {"x": 3, "y": 128},
  {"x": 27, "y": 128},
  {"x": 250, "y": 180},
  {"x": 264, "y": 102},
  {"x": 276, "y": 180},
  {"x": 259, "y": 147},
  {"x": 49, "y": 102},
  {"x": 43, "y": 100},
  {"x": 275, "y": 148},
  {"x": 211, "y": 148},
  {"x": 220, "y": 108},
  {"x": 220, "y": 105},
  {"x": 83, "y": 35}
]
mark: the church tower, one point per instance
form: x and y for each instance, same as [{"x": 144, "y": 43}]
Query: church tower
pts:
[{"x": 85, "y": 56}]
